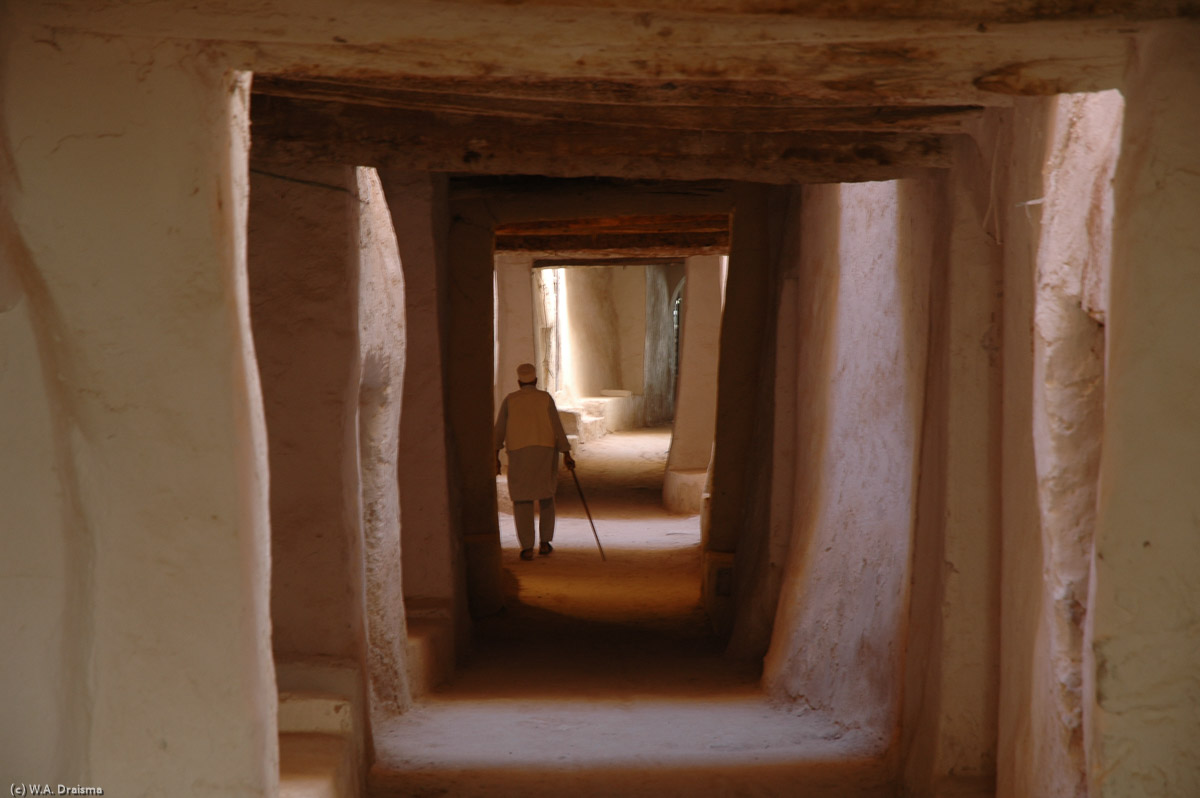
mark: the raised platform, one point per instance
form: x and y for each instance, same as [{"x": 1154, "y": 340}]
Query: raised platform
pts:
[
  {"x": 316, "y": 766},
  {"x": 596, "y": 416},
  {"x": 430, "y": 652},
  {"x": 683, "y": 490},
  {"x": 322, "y": 753}
]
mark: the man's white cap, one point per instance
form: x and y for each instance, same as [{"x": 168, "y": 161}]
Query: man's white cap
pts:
[{"x": 526, "y": 373}]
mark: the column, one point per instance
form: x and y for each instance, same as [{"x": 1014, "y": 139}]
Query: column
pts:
[
  {"x": 696, "y": 402},
  {"x": 129, "y": 200},
  {"x": 302, "y": 250},
  {"x": 950, "y": 671},
  {"x": 434, "y": 581},
  {"x": 514, "y": 322},
  {"x": 1142, "y": 698},
  {"x": 469, "y": 357},
  {"x": 737, "y": 518}
]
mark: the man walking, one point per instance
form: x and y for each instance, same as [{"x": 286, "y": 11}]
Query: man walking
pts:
[{"x": 529, "y": 427}]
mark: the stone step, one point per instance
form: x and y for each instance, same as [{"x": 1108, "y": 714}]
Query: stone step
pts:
[
  {"x": 430, "y": 653},
  {"x": 320, "y": 713},
  {"x": 683, "y": 490},
  {"x": 317, "y": 766},
  {"x": 592, "y": 428},
  {"x": 570, "y": 418},
  {"x": 582, "y": 424},
  {"x": 320, "y": 739}
]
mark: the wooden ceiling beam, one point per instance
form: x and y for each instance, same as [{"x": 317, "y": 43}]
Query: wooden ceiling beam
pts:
[
  {"x": 289, "y": 129},
  {"x": 858, "y": 53},
  {"x": 544, "y": 261},
  {"x": 645, "y": 235},
  {"x": 520, "y": 199},
  {"x": 706, "y": 243},
  {"x": 614, "y": 225},
  {"x": 665, "y": 58},
  {"x": 701, "y": 106}
]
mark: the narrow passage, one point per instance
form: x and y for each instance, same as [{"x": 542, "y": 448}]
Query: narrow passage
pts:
[{"x": 603, "y": 678}]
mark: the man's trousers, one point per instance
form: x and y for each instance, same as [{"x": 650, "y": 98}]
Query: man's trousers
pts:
[{"x": 523, "y": 516}]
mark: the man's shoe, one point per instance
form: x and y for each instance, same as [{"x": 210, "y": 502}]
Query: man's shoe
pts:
[
  {"x": 527, "y": 554},
  {"x": 545, "y": 548}
]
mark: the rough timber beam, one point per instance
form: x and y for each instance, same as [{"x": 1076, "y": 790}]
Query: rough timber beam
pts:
[
  {"x": 320, "y": 20},
  {"x": 859, "y": 54},
  {"x": 544, "y": 260},
  {"x": 286, "y": 129},
  {"x": 704, "y": 107},
  {"x": 526, "y": 198},
  {"x": 644, "y": 235},
  {"x": 611, "y": 225},
  {"x": 871, "y": 65},
  {"x": 656, "y": 248}
]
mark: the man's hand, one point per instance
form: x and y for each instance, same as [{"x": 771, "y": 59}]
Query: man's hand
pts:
[{"x": 569, "y": 460}]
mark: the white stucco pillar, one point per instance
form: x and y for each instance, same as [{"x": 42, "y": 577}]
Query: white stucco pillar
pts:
[
  {"x": 381, "y": 344},
  {"x": 304, "y": 274},
  {"x": 514, "y": 300},
  {"x": 696, "y": 401},
  {"x": 434, "y": 583},
  {"x": 469, "y": 357},
  {"x": 839, "y": 631},
  {"x": 1142, "y": 691},
  {"x": 126, "y": 202},
  {"x": 948, "y": 727}
]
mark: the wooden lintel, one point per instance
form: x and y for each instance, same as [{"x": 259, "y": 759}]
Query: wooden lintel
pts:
[
  {"x": 616, "y": 259},
  {"x": 654, "y": 252},
  {"x": 691, "y": 243},
  {"x": 649, "y": 22},
  {"x": 700, "y": 106},
  {"x": 285, "y": 128},
  {"x": 712, "y": 223},
  {"x": 720, "y": 60},
  {"x": 535, "y": 198},
  {"x": 826, "y": 52}
]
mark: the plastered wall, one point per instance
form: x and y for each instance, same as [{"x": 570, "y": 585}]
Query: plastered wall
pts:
[
  {"x": 468, "y": 358},
  {"x": 695, "y": 414},
  {"x": 658, "y": 378},
  {"x": 1142, "y": 639},
  {"x": 1069, "y": 305},
  {"x": 1069, "y": 723},
  {"x": 839, "y": 632},
  {"x": 432, "y": 575},
  {"x": 514, "y": 318},
  {"x": 47, "y": 575},
  {"x": 1052, "y": 386},
  {"x": 382, "y": 343},
  {"x": 606, "y": 328},
  {"x": 745, "y": 377},
  {"x": 616, "y": 330},
  {"x": 145, "y": 451},
  {"x": 768, "y": 525},
  {"x": 948, "y": 738},
  {"x": 631, "y": 288},
  {"x": 327, "y": 295},
  {"x": 304, "y": 270}
]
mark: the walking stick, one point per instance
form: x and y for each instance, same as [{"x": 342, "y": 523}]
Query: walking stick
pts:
[{"x": 589, "y": 513}]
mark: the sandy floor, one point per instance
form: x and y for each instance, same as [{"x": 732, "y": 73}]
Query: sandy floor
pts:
[{"x": 602, "y": 678}]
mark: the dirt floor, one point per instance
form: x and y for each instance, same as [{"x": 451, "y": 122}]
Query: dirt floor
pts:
[{"x": 603, "y": 678}]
